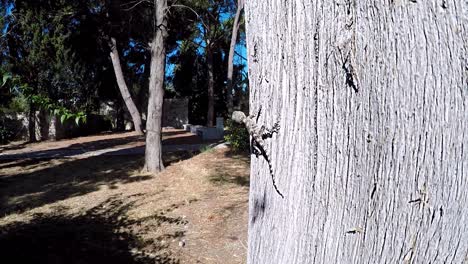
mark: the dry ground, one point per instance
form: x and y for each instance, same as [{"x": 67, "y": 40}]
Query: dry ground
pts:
[
  {"x": 100, "y": 141},
  {"x": 103, "y": 210}
]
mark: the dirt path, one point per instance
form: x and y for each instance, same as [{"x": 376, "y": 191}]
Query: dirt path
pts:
[
  {"x": 109, "y": 144},
  {"x": 102, "y": 210}
]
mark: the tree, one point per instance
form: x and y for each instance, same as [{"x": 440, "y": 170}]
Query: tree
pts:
[
  {"x": 213, "y": 33},
  {"x": 153, "y": 154},
  {"x": 127, "y": 23},
  {"x": 189, "y": 79},
  {"x": 127, "y": 97},
  {"x": 232, "y": 48},
  {"x": 371, "y": 155},
  {"x": 35, "y": 48}
]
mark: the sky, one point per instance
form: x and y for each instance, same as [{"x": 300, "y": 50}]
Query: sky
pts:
[
  {"x": 240, "y": 50},
  {"x": 8, "y": 12}
]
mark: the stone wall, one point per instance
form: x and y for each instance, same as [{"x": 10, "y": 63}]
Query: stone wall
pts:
[
  {"x": 175, "y": 113},
  {"x": 51, "y": 128},
  {"x": 17, "y": 124}
]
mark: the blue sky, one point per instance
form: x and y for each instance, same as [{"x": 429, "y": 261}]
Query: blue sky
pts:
[
  {"x": 240, "y": 50},
  {"x": 238, "y": 60},
  {"x": 8, "y": 12}
]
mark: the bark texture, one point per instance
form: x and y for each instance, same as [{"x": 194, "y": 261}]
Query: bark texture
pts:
[
  {"x": 127, "y": 97},
  {"x": 153, "y": 152},
  {"x": 372, "y": 153},
  {"x": 32, "y": 122},
  {"x": 211, "y": 83},
  {"x": 232, "y": 48}
]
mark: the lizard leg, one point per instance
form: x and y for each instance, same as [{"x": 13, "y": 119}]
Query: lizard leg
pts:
[
  {"x": 269, "y": 132},
  {"x": 253, "y": 148}
]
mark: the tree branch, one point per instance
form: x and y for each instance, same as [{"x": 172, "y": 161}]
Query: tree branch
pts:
[{"x": 191, "y": 9}]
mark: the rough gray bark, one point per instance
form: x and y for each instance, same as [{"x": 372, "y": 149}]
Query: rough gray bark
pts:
[
  {"x": 371, "y": 154},
  {"x": 153, "y": 152},
  {"x": 232, "y": 48},
  {"x": 127, "y": 97},
  {"x": 32, "y": 122},
  {"x": 211, "y": 97}
]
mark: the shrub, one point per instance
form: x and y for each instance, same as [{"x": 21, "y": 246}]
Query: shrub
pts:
[
  {"x": 237, "y": 135},
  {"x": 6, "y": 135}
]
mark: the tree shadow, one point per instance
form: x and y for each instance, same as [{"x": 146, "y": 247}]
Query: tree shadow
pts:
[
  {"x": 75, "y": 149},
  {"x": 223, "y": 175},
  {"x": 241, "y": 154},
  {"x": 227, "y": 178},
  {"x": 13, "y": 146},
  {"x": 107, "y": 143},
  {"x": 72, "y": 150},
  {"x": 174, "y": 132},
  {"x": 24, "y": 191},
  {"x": 5, "y": 164},
  {"x": 103, "y": 234}
]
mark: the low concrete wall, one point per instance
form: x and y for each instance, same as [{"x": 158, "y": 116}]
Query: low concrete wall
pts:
[{"x": 207, "y": 133}]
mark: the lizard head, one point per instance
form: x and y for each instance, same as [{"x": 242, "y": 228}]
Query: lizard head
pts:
[{"x": 238, "y": 116}]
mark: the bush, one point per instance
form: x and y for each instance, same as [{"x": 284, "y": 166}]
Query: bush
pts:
[
  {"x": 6, "y": 135},
  {"x": 237, "y": 135},
  {"x": 10, "y": 129}
]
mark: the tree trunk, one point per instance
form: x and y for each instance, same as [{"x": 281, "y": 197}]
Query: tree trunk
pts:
[
  {"x": 232, "y": 48},
  {"x": 211, "y": 97},
  {"x": 136, "y": 117},
  {"x": 371, "y": 155},
  {"x": 32, "y": 122},
  {"x": 153, "y": 154}
]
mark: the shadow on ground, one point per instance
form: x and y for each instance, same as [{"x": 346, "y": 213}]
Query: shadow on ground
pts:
[
  {"x": 101, "y": 235},
  {"x": 13, "y": 147},
  {"x": 169, "y": 138},
  {"x": 231, "y": 176},
  {"x": 47, "y": 183},
  {"x": 77, "y": 148}
]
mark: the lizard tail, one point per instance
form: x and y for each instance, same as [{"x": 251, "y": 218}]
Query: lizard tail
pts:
[{"x": 273, "y": 177}]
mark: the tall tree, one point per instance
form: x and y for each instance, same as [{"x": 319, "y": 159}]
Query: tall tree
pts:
[
  {"x": 127, "y": 97},
  {"x": 372, "y": 101},
  {"x": 153, "y": 155},
  {"x": 213, "y": 33},
  {"x": 189, "y": 79},
  {"x": 232, "y": 49},
  {"x": 36, "y": 49},
  {"x": 128, "y": 24},
  {"x": 211, "y": 82}
]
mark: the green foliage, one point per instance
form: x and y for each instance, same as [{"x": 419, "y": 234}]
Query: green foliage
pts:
[
  {"x": 18, "y": 104},
  {"x": 52, "y": 47},
  {"x": 6, "y": 135},
  {"x": 237, "y": 135},
  {"x": 9, "y": 128},
  {"x": 206, "y": 149},
  {"x": 55, "y": 109},
  {"x": 25, "y": 95},
  {"x": 5, "y": 78},
  {"x": 56, "y": 53}
]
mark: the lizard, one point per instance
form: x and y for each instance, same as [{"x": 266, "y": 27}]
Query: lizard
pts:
[{"x": 258, "y": 135}]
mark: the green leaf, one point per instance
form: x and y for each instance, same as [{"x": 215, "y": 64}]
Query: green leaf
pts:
[
  {"x": 62, "y": 118},
  {"x": 77, "y": 120},
  {"x": 6, "y": 77}
]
